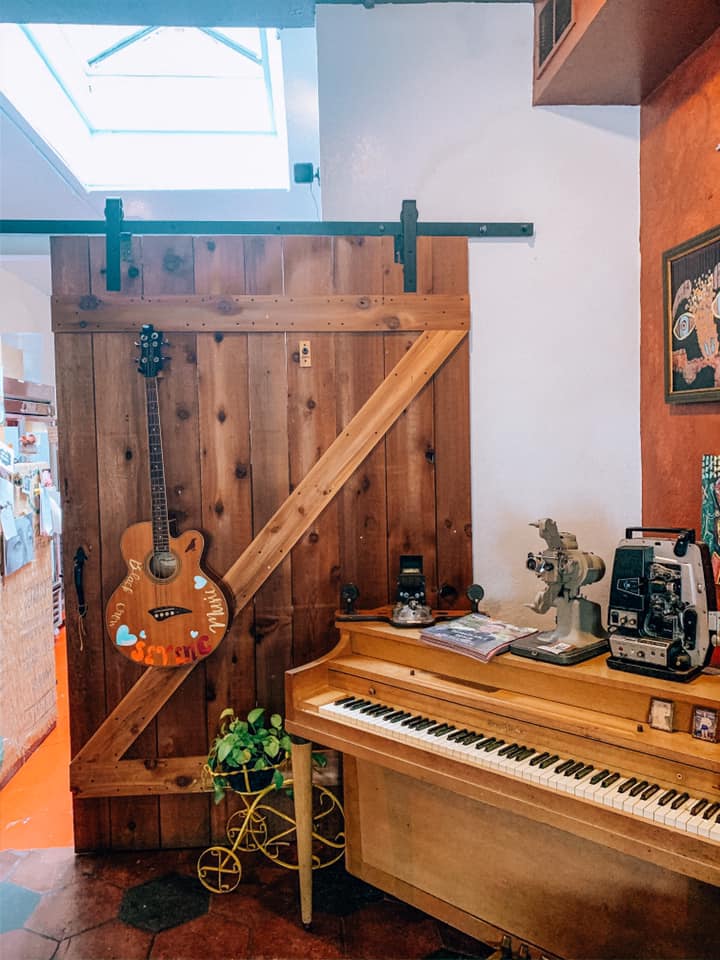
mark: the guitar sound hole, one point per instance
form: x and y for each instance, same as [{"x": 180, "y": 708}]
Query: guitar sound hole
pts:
[{"x": 163, "y": 566}]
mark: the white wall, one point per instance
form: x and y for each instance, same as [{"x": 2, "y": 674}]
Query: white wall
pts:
[
  {"x": 433, "y": 102},
  {"x": 25, "y": 314}
]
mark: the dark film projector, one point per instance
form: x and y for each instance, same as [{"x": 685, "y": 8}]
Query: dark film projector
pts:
[
  {"x": 662, "y": 617},
  {"x": 410, "y": 608}
]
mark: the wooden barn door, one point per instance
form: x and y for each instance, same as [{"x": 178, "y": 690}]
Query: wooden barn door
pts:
[{"x": 244, "y": 425}]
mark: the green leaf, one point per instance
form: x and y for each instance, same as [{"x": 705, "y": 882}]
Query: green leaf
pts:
[
  {"x": 227, "y": 712},
  {"x": 224, "y": 749},
  {"x": 255, "y": 715},
  {"x": 272, "y": 746},
  {"x": 218, "y": 789},
  {"x": 277, "y": 779},
  {"x": 286, "y": 743},
  {"x": 261, "y": 764},
  {"x": 276, "y": 721},
  {"x": 319, "y": 759}
]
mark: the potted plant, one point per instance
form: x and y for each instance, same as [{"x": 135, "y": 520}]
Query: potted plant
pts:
[{"x": 247, "y": 755}]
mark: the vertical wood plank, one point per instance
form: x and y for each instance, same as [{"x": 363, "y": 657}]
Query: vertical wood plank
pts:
[
  {"x": 410, "y": 454},
  {"x": 78, "y": 484},
  {"x": 225, "y": 483},
  {"x": 452, "y": 437},
  {"x": 168, "y": 268},
  {"x": 267, "y": 397},
  {"x": 123, "y": 474},
  {"x": 312, "y": 427},
  {"x": 359, "y": 361}
]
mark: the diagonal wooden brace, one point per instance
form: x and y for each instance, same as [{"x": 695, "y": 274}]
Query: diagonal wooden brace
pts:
[{"x": 280, "y": 534}]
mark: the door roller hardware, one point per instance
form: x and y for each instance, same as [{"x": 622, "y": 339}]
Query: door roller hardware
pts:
[{"x": 305, "y": 355}]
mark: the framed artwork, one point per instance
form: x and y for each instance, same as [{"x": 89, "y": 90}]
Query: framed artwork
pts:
[
  {"x": 692, "y": 319},
  {"x": 705, "y": 724},
  {"x": 660, "y": 714}
]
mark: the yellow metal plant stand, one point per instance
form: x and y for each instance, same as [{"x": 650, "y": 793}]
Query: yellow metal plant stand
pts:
[{"x": 259, "y": 825}]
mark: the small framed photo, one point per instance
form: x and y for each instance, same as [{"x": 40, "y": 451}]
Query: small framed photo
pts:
[
  {"x": 660, "y": 715},
  {"x": 705, "y": 724}
]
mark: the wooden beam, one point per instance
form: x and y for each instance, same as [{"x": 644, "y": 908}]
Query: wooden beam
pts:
[
  {"x": 262, "y": 314},
  {"x": 130, "y": 778},
  {"x": 269, "y": 548}
]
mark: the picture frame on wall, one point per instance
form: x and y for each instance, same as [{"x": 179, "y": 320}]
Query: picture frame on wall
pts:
[
  {"x": 705, "y": 724},
  {"x": 691, "y": 278}
]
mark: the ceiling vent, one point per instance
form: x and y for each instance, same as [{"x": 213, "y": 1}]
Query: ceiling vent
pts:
[{"x": 553, "y": 21}]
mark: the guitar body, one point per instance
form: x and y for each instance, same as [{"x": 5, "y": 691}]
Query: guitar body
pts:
[{"x": 167, "y": 612}]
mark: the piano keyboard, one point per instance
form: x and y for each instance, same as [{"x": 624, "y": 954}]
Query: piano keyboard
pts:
[{"x": 633, "y": 795}]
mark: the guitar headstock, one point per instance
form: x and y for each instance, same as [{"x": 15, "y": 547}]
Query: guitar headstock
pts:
[{"x": 151, "y": 361}]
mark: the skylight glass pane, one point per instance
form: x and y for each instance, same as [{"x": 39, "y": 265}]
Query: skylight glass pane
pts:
[{"x": 161, "y": 79}]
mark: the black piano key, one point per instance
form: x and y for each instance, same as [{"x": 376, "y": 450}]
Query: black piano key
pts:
[
  {"x": 680, "y": 800},
  {"x": 416, "y": 719},
  {"x": 524, "y": 753},
  {"x": 394, "y": 715},
  {"x": 562, "y": 767},
  {"x": 539, "y": 758},
  {"x": 342, "y": 701},
  {"x": 667, "y": 797},
  {"x": 459, "y": 734},
  {"x": 512, "y": 752},
  {"x": 358, "y": 704},
  {"x": 609, "y": 781},
  {"x": 639, "y": 787},
  {"x": 553, "y": 758},
  {"x": 578, "y": 765},
  {"x": 493, "y": 746},
  {"x": 650, "y": 792},
  {"x": 442, "y": 730},
  {"x": 711, "y": 810},
  {"x": 473, "y": 738},
  {"x": 583, "y": 771},
  {"x": 624, "y": 787},
  {"x": 386, "y": 712},
  {"x": 599, "y": 776},
  {"x": 699, "y": 807},
  {"x": 371, "y": 709},
  {"x": 398, "y": 717},
  {"x": 506, "y": 750}
]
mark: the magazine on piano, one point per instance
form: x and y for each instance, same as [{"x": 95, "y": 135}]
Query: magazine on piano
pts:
[{"x": 475, "y": 634}]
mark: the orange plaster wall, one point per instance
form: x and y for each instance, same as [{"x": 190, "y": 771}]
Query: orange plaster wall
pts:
[{"x": 679, "y": 198}]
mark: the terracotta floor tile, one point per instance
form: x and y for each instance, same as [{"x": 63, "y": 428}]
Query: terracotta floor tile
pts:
[
  {"x": 283, "y": 940},
  {"x": 129, "y": 869},
  {"x": 207, "y": 938},
  {"x": 9, "y": 859},
  {"x": 75, "y": 908},
  {"x": 44, "y": 870},
  {"x": 24, "y": 945},
  {"x": 390, "y": 929},
  {"x": 110, "y": 941}
]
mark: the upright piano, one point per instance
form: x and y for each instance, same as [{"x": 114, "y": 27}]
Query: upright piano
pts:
[{"x": 518, "y": 798}]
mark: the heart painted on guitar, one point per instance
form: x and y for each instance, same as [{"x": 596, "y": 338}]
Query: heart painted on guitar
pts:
[
  {"x": 123, "y": 637},
  {"x": 200, "y": 582},
  {"x": 193, "y": 633},
  {"x": 143, "y": 634}
]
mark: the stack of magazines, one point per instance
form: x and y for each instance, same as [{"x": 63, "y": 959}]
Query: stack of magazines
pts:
[{"x": 475, "y": 634}]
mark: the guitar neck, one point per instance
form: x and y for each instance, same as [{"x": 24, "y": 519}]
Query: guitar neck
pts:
[{"x": 160, "y": 524}]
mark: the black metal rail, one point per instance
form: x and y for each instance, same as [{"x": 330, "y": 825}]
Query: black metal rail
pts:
[{"x": 117, "y": 232}]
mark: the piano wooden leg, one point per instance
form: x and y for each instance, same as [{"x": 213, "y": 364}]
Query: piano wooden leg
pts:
[{"x": 302, "y": 793}]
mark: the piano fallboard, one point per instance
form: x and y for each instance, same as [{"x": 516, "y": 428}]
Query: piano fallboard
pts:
[{"x": 517, "y": 715}]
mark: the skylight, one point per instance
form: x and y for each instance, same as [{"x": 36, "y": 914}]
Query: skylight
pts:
[{"x": 149, "y": 107}]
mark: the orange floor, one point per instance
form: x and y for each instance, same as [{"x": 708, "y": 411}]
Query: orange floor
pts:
[{"x": 36, "y": 804}]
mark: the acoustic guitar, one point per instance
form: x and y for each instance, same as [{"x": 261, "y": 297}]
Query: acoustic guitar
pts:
[{"x": 168, "y": 611}]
